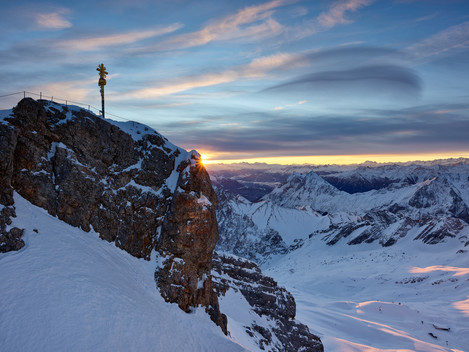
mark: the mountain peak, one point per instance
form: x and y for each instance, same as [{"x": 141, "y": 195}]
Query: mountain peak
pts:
[{"x": 123, "y": 180}]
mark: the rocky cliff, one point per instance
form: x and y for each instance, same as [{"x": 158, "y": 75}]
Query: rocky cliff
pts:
[
  {"x": 125, "y": 181},
  {"x": 271, "y": 309}
]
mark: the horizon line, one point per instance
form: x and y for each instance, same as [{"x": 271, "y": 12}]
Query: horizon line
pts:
[{"x": 340, "y": 159}]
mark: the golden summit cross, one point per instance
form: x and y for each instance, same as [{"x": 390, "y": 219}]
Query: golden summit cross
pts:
[{"x": 102, "y": 82}]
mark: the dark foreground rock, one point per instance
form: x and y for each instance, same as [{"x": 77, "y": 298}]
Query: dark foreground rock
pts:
[{"x": 275, "y": 328}]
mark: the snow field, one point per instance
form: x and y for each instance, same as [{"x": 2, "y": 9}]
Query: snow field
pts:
[
  {"x": 369, "y": 298},
  {"x": 68, "y": 290}
]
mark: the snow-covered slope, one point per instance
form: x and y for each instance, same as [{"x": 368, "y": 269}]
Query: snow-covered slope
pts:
[
  {"x": 375, "y": 299},
  {"x": 68, "y": 290}
]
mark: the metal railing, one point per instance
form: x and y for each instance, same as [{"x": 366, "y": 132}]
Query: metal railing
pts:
[{"x": 55, "y": 99}]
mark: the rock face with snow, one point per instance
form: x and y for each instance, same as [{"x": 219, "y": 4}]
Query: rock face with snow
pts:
[
  {"x": 124, "y": 180},
  {"x": 239, "y": 229},
  {"x": 10, "y": 239},
  {"x": 271, "y": 320}
]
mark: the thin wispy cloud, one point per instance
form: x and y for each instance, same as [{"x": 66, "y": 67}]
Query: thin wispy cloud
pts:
[
  {"x": 257, "y": 68},
  {"x": 92, "y": 43},
  {"x": 452, "y": 38},
  {"x": 251, "y": 23},
  {"x": 53, "y": 20},
  {"x": 336, "y": 15},
  {"x": 79, "y": 90},
  {"x": 426, "y": 18},
  {"x": 184, "y": 84},
  {"x": 260, "y": 66}
]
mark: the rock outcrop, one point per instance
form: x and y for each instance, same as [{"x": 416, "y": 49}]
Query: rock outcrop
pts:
[
  {"x": 271, "y": 322},
  {"x": 124, "y": 181},
  {"x": 240, "y": 235}
]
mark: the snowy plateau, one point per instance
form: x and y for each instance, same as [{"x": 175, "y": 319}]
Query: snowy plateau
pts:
[{"x": 382, "y": 266}]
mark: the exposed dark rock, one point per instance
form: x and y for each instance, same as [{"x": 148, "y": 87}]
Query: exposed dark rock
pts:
[
  {"x": 249, "y": 190},
  {"x": 9, "y": 240},
  {"x": 267, "y": 299},
  {"x": 435, "y": 231},
  {"x": 188, "y": 237},
  {"x": 238, "y": 230},
  {"x": 344, "y": 232},
  {"x": 356, "y": 183}
]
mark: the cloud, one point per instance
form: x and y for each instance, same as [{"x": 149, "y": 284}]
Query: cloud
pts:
[
  {"x": 254, "y": 23},
  {"x": 53, "y": 20},
  {"x": 387, "y": 78},
  {"x": 93, "y": 43},
  {"x": 185, "y": 84},
  {"x": 357, "y": 53},
  {"x": 77, "y": 90},
  {"x": 251, "y": 23},
  {"x": 262, "y": 66},
  {"x": 256, "y": 69},
  {"x": 336, "y": 14},
  {"x": 326, "y": 20},
  {"x": 426, "y": 18},
  {"x": 452, "y": 38},
  {"x": 347, "y": 56},
  {"x": 419, "y": 129}
]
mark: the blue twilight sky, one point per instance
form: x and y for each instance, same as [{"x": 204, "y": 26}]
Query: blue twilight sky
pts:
[{"x": 256, "y": 79}]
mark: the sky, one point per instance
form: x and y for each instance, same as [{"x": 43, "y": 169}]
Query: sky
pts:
[{"x": 282, "y": 81}]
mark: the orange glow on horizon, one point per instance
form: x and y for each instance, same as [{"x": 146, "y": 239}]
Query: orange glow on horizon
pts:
[{"x": 225, "y": 158}]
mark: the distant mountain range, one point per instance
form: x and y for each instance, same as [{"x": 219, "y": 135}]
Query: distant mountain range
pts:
[
  {"x": 375, "y": 255},
  {"x": 265, "y": 210}
]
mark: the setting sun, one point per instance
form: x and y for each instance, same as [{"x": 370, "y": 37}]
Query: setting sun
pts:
[{"x": 203, "y": 158}]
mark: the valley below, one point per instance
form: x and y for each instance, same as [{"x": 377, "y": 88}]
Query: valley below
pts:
[{"x": 410, "y": 297}]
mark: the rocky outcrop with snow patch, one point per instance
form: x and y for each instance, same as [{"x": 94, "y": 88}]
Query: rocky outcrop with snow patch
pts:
[
  {"x": 270, "y": 320},
  {"x": 241, "y": 236},
  {"x": 124, "y": 180}
]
